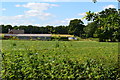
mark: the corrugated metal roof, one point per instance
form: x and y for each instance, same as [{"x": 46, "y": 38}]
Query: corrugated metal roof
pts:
[
  {"x": 16, "y": 31},
  {"x": 28, "y": 35}
]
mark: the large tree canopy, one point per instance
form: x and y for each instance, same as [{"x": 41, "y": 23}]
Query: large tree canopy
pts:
[
  {"x": 90, "y": 29},
  {"x": 107, "y": 23},
  {"x": 76, "y": 27}
]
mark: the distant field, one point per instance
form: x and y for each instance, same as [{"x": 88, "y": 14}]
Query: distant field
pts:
[{"x": 21, "y": 52}]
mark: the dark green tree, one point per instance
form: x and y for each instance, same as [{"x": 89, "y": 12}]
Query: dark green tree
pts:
[
  {"x": 107, "y": 23},
  {"x": 50, "y": 29},
  {"x": 5, "y": 28},
  {"x": 90, "y": 29},
  {"x": 61, "y": 30},
  {"x": 76, "y": 27}
]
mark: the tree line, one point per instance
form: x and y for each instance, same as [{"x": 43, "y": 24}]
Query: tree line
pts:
[
  {"x": 103, "y": 25},
  {"x": 75, "y": 28},
  {"x": 30, "y": 29}
]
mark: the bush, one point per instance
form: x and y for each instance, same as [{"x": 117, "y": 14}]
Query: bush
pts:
[{"x": 33, "y": 66}]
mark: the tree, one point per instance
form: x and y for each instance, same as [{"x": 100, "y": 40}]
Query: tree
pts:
[
  {"x": 50, "y": 29},
  {"x": 76, "y": 27},
  {"x": 15, "y": 27},
  {"x": 107, "y": 23},
  {"x": 5, "y": 28},
  {"x": 90, "y": 29},
  {"x": 61, "y": 30}
]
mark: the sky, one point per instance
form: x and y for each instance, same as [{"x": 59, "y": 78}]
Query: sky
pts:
[{"x": 48, "y": 12}]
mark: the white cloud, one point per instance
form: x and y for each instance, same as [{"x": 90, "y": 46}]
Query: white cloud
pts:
[
  {"x": 2, "y": 9},
  {"x": 16, "y": 20},
  {"x": 109, "y": 6},
  {"x": 82, "y": 14},
  {"x": 62, "y": 22},
  {"x": 11, "y": 19},
  {"x": 19, "y": 16},
  {"x": 17, "y": 5},
  {"x": 37, "y": 6},
  {"x": 57, "y": 22},
  {"x": 37, "y": 10},
  {"x": 38, "y": 14},
  {"x": 71, "y": 18}
]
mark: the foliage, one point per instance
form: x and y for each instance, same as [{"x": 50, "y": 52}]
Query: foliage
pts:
[
  {"x": 76, "y": 27},
  {"x": 30, "y": 29},
  {"x": 107, "y": 24},
  {"x": 5, "y": 28},
  {"x": 90, "y": 29},
  {"x": 33, "y": 67},
  {"x": 61, "y": 30},
  {"x": 58, "y": 59}
]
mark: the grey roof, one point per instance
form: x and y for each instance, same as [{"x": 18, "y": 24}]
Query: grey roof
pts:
[
  {"x": 28, "y": 35},
  {"x": 16, "y": 31}
]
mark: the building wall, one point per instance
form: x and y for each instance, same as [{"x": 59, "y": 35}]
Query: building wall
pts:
[
  {"x": 34, "y": 37},
  {"x": 29, "y": 36}
]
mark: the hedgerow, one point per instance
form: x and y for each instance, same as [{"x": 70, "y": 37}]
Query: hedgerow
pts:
[{"x": 35, "y": 66}]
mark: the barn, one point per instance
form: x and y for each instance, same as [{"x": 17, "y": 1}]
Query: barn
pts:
[
  {"x": 14, "y": 31},
  {"x": 29, "y": 36}
]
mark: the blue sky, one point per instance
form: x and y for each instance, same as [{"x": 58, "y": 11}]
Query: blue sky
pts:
[{"x": 48, "y": 13}]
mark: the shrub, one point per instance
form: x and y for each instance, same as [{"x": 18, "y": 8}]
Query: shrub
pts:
[{"x": 32, "y": 66}]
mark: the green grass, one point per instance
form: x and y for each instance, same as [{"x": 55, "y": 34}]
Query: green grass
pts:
[
  {"x": 77, "y": 49},
  {"x": 20, "y": 53},
  {"x": 105, "y": 52}
]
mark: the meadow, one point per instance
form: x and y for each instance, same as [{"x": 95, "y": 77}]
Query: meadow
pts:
[{"x": 59, "y": 59}]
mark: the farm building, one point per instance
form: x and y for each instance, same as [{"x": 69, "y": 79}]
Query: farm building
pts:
[
  {"x": 63, "y": 37},
  {"x": 30, "y": 36},
  {"x": 13, "y": 31}
]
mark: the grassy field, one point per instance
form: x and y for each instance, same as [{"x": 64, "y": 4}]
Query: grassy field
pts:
[{"x": 28, "y": 57}]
